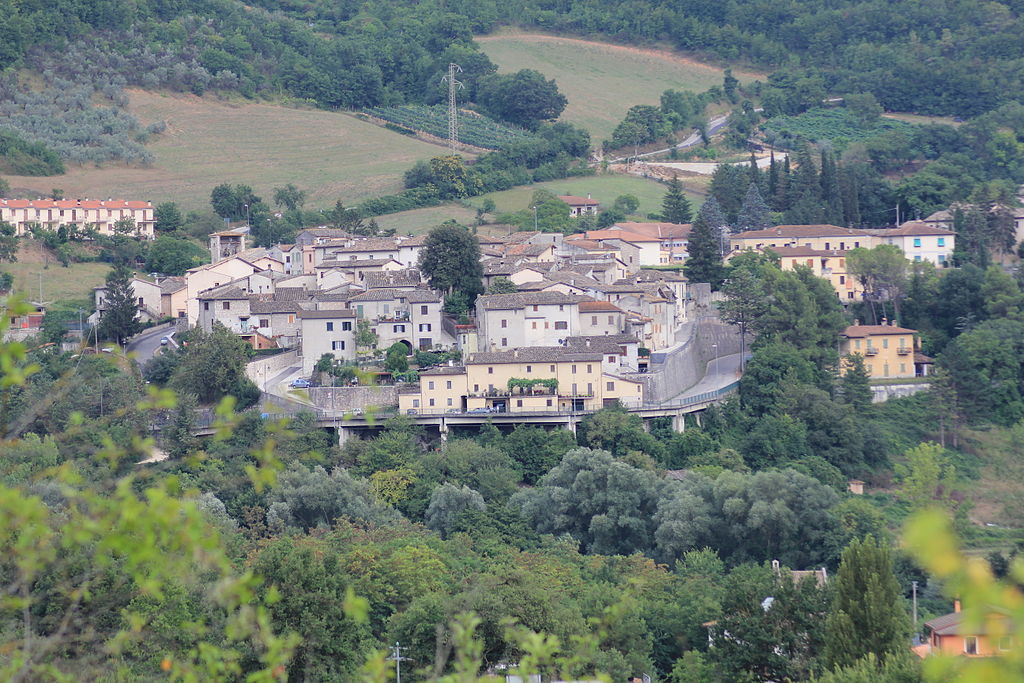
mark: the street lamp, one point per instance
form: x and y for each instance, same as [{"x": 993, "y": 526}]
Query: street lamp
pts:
[
  {"x": 248, "y": 224},
  {"x": 714, "y": 348}
]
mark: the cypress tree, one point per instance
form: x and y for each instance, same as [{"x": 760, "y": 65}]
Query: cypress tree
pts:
[
  {"x": 804, "y": 192},
  {"x": 706, "y": 245},
  {"x": 773, "y": 181},
  {"x": 829, "y": 182},
  {"x": 850, "y": 193},
  {"x": 675, "y": 207},
  {"x": 855, "y": 383},
  {"x": 868, "y": 615},
  {"x": 754, "y": 214},
  {"x": 118, "y": 321}
]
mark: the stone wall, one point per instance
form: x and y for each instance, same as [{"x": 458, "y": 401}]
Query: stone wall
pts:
[{"x": 347, "y": 399}]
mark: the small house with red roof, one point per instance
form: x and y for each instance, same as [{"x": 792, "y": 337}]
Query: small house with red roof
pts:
[
  {"x": 580, "y": 206},
  {"x": 922, "y": 241}
]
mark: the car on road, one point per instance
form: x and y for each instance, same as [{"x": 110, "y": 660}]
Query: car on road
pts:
[
  {"x": 412, "y": 411},
  {"x": 300, "y": 384},
  {"x": 485, "y": 409},
  {"x": 164, "y": 341}
]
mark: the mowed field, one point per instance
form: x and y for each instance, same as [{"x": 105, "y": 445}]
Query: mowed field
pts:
[
  {"x": 601, "y": 80},
  {"x": 603, "y": 188},
  {"x": 331, "y": 155},
  {"x": 59, "y": 283}
]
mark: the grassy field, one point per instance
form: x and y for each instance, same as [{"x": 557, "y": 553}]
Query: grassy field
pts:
[
  {"x": 59, "y": 283},
  {"x": 331, "y": 155},
  {"x": 603, "y": 188},
  {"x": 601, "y": 80},
  {"x": 422, "y": 220},
  {"x": 923, "y": 120}
]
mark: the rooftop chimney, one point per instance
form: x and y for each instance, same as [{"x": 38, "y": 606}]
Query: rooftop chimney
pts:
[
  {"x": 893, "y": 323},
  {"x": 885, "y": 321},
  {"x": 956, "y": 605}
]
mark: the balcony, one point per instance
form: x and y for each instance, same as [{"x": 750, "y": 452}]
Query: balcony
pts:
[
  {"x": 871, "y": 351},
  {"x": 904, "y": 350}
]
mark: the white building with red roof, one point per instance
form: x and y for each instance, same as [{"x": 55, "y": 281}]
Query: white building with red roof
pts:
[
  {"x": 921, "y": 241},
  {"x": 84, "y": 214},
  {"x": 580, "y": 206}
]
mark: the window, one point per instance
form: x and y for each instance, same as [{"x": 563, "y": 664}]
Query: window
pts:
[
  {"x": 885, "y": 370},
  {"x": 431, "y": 403},
  {"x": 448, "y": 384},
  {"x": 504, "y": 324},
  {"x": 590, "y": 368},
  {"x": 561, "y": 325},
  {"x": 942, "y": 241},
  {"x": 611, "y": 359},
  {"x": 206, "y": 305},
  {"x": 227, "y": 305},
  {"x": 346, "y": 327},
  {"x": 561, "y": 307},
  {"x": 610, "y": 386},
  {"x": 399, "y": 328},
  {"x": 917, "y": 241},
  {"x": 142, "y": 302},
  {"x": 476, "y": 388},
  {"x": 917, "y": 257},
  {"x": 337, "y": 346},
  {"x": 504, "y": 341},
  {"x": 529, "y": 368},
  {"x": 490, "y": 371},
  {"x": 535, "y": 307},
  {"x": 415, "y": 403},
  {"x": 430, "y": 385},
  {"x": 546, "y": 324},
  {"x": 903, "y": 368},
  {"x": 590, "y": 389},
  {"x": 264, "y": 322},
  {"x": 827, "y": 246},
  {"x": 971, "y": 645},
  {"x": 519, "y": 403},
  {"x": 534, "y": 324},
  {"x": 856, "y": 244},
  {"x": 330, "y": 327},
  {"x": 291, "y": 318},
  {"x": 449, "y": 401},
  {"x": 574, "y": 389},
  {"x": 549, "y": 402},
  {"x": 611, "y": 320},
  {"x": 593, "y": 318},
  {"x": 423, "y": 310},
  {"x": 856, "y": 344},
  {"x": 842, "y": 279},
  {"x": 942, "y": 258},
  {"x": 885, "y": 342},
  {"x": 842, "y": 246},
  {"x": 574, "y": 370}
]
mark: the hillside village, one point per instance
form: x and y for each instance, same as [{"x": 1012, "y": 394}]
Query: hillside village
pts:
[{"x": 512, "y": 342}]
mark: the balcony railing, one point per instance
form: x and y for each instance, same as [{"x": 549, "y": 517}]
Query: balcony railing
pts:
[
  {"x": 871, "y": 351},
  {"x": 904, "y": 350}
]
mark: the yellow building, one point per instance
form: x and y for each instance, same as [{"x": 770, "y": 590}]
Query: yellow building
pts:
[
  {"x": 830, "y": 265},
  {"x": 541, "y": 379},
  {"x": 888, "y": 350}
]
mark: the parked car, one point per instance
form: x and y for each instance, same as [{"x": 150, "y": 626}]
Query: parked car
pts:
[
  {"x": 453, "y": 410},
  {"x": 485, "y": 409},
  {"x": 164, "y": 341},
  {"x": 412, "y": 411},
  {"x": 300, "y": 383}
]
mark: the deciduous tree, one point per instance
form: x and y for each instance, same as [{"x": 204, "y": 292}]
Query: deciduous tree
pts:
[{"x": 451, "y": 260}]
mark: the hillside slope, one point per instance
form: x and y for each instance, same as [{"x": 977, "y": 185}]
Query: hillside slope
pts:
[{"x": 331, "y": 155}]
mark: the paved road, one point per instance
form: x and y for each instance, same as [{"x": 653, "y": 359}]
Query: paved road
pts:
[
  {"x": 714, "y": 125},
  {"x": 146, "y": 344}
]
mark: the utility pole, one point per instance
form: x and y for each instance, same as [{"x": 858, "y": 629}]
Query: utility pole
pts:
[
  {"x": 396, "y": 655},
  {"x": 453, "y": 111},
  {"x": 913, "y": 587}
]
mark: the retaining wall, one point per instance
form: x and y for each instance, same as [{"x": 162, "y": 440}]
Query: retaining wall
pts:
[
  {"x": 263, "y": 369},
  {"x": 353, "y": 398},
  {"x": 883, "y": 392},
  {"x": 679, "y": 367}
]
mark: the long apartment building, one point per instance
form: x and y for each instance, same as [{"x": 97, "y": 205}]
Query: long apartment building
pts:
[
  {"x": 95, "y": 214},
  {"x": 539, "y": 379}
]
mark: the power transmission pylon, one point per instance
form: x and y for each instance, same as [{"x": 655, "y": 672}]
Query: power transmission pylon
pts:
[{"x": 453, "y": 111}]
